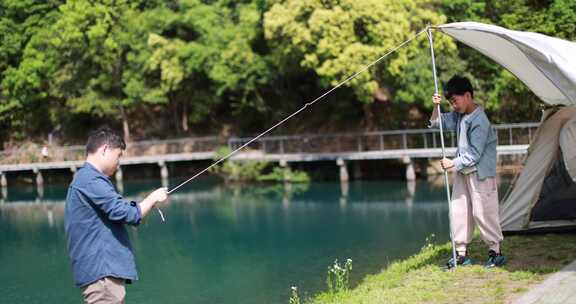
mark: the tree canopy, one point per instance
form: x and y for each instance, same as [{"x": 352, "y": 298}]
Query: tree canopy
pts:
[{"x": 199, "y": 67}]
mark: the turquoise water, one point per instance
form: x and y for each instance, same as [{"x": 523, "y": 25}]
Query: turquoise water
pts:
[{"x": 228, "y": 245}]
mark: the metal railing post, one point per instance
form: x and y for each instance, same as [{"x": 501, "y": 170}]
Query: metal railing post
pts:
[{"x": 404, "y": 141}]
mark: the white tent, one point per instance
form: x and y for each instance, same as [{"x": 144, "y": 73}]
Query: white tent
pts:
[
  {"x": 544, "y": 195},
  {"x": 547, "y": 65}
]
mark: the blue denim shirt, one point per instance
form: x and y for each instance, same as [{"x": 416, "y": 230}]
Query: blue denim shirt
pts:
[
  {"x": 479, "y": 148},
  {"x": 94, "y": 218}
]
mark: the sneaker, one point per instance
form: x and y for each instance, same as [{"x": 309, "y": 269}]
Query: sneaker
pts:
[
  {"x": 495, "y": 259},
  {"x": 461, "y": 260}
]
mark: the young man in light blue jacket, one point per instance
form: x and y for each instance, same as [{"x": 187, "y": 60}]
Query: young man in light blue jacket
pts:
[{"x": 475, "y": 192}]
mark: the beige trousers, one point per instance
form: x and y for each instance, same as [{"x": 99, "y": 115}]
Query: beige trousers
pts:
[
  {"x": 475, "y": 202},
  {"x": 108, "y": 290}
]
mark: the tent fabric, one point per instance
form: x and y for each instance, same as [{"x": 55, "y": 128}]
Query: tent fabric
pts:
[
  {"x": 555, "y": 139},
  {"x": 568, "y": 144},
  {"x": 545, "y": 64},
  {"x": 557, "y": 199}
]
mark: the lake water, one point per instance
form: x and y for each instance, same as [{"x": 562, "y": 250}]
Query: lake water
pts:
[{"x": 228, "y": 244}]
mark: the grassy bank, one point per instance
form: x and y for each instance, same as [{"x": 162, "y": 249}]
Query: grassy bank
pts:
[{"x": 420, "y": 279}]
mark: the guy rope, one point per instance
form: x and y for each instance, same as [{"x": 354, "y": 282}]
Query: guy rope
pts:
[{"x": 427, "y": 30}]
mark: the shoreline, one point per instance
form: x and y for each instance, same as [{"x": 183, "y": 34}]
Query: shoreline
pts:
[{"x": 420, "y": 278}]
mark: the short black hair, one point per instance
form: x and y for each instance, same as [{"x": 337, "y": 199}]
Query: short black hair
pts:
[
  {"x": 458, "y": 85},
  {"x": 104, "y": 136}
]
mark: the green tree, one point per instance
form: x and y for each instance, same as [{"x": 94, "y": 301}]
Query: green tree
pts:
[
  {"x": 161, "y": 66},
  {"x": 337, "y": 38},
  {"x": 204, "y": 54},
  {"x": 20, "y": 21},
  {"x": 94, "y": 38},
  {"x": 76, "y": 61}
]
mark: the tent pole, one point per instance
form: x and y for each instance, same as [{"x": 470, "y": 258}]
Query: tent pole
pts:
[{"x": 446, "y": 182}]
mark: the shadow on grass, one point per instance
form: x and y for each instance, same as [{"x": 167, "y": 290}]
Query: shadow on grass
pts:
[{"x": 534, "y": 253}]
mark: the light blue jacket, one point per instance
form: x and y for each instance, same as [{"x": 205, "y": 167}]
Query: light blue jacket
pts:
[{"x": 479, "y": 148}]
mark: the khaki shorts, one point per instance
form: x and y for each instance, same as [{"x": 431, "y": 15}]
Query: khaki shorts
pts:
[{"x": 108, "y": 290}]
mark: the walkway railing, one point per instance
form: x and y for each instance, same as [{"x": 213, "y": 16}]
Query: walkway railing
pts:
[{"x": 508, "y": 134}]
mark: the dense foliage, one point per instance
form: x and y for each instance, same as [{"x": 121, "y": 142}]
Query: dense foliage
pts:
[{"x": 159, "y": 69}]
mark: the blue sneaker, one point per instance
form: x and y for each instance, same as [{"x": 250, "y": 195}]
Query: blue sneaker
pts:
[
  {"x": 495, "y": 259},
  {"x": 461, "y": 260}
]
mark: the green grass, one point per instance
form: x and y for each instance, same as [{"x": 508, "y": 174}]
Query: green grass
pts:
[{"x": 420, "y": 278}]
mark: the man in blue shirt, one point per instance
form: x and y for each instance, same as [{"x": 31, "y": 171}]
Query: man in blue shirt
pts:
[
  {"x": 94, "y": 218},
  {"x": 475, "y": 192}
]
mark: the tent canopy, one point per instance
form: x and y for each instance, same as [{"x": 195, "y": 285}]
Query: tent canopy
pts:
[{"x": 545, "y": 64}]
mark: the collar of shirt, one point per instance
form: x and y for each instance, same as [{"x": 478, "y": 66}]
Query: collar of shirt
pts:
[{"x": 91, "y": 167}]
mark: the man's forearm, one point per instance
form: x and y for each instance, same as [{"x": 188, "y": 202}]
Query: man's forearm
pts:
[
  {"x": 159, "y": 195},
  {"x": 146, "y": 205},
  {"x": 434, "y": 115},
  {"x": 434, "y": 123}
]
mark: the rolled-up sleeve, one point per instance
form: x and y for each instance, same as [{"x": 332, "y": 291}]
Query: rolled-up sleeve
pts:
[
  {"x": 106, "y": 199},
  {"x": 449, "y": 121}
]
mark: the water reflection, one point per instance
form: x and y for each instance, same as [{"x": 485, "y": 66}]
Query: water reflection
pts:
[
  {"x": 253, "y": 242},
  {"x": 4, "y": 192},
  {"x": 355, "y": 196}
]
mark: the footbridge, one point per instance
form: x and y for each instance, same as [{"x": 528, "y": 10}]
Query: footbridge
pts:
[{"x": 341, "y": 148}]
